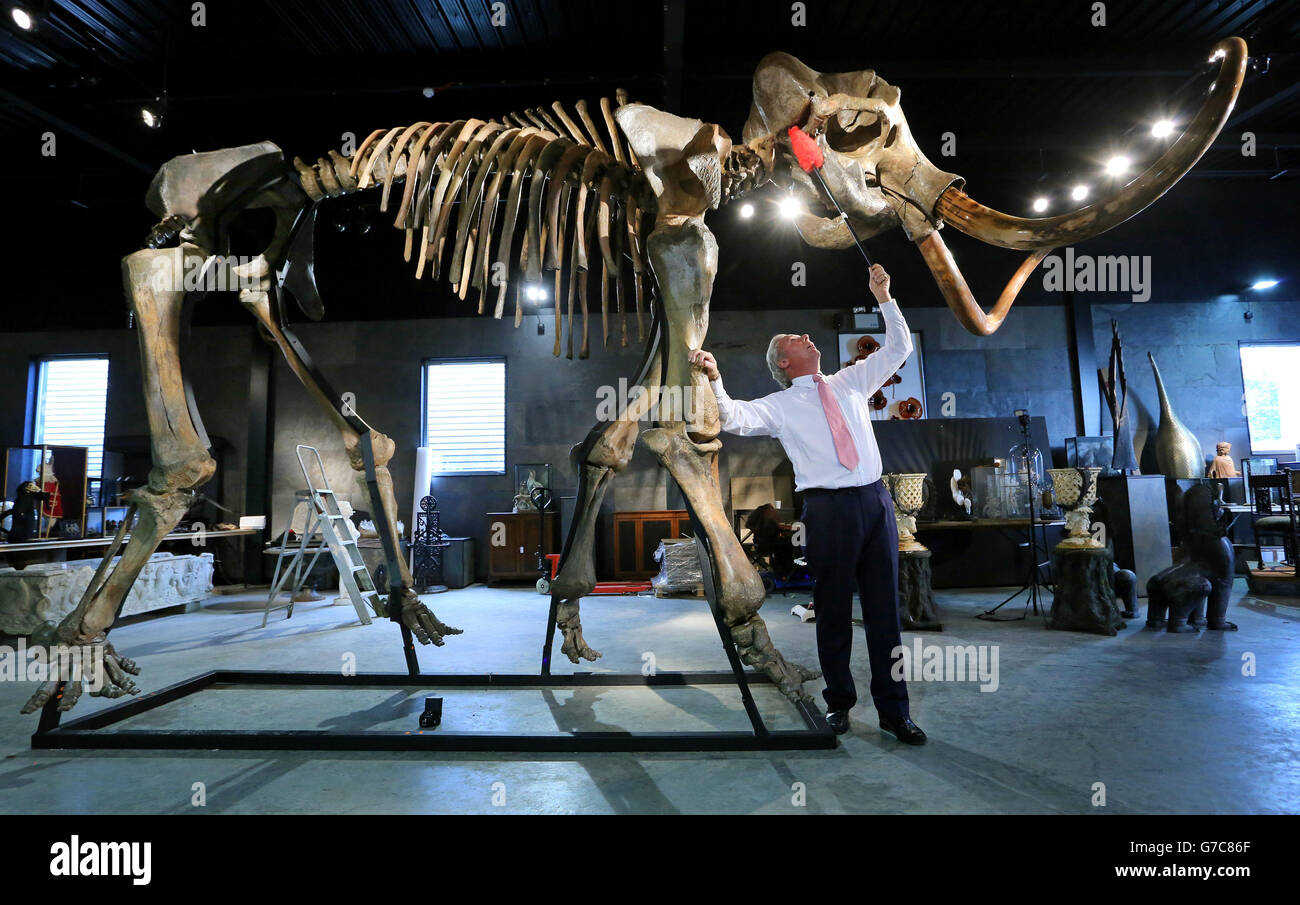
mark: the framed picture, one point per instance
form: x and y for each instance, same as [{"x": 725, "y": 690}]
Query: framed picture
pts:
[{"x": 902, "y": 398}]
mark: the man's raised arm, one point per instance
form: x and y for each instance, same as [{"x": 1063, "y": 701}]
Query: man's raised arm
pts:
[
  {"x": 871, "y": 373},
  {"x": 759, "y": 418}
]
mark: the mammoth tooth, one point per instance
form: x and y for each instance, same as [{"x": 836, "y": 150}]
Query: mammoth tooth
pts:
[{"x": 325, "y": 175}]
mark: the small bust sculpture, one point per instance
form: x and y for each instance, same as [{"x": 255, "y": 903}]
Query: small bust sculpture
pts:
[{"x": 1222, "y": 466}]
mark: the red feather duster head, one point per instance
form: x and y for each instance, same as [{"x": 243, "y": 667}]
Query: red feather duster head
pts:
[{"x": 805, "y": 150}]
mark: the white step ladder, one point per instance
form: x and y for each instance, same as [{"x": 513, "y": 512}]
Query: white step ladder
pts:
[{"x": 330, "y": 523}]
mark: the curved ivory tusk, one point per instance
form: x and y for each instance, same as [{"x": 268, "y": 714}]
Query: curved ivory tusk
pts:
[
  {"x": 958, "y": 295},
  {"x": 996, "y": 228}
]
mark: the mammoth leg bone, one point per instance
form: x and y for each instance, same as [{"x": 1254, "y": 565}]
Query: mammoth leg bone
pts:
[
  {"x": 414, "y": 615},
  {"x": 181, "y": 465},
  {"x": 685, "y": 256},
  {"x": 606, "y": 451}
]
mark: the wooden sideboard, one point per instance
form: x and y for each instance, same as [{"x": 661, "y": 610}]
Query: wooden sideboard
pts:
[
  {"x": 516, "y": 558},
  {"x": 637, "y": 535}
]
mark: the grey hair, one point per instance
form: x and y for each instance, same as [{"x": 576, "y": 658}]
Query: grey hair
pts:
[{"x": 773, "y": 356}]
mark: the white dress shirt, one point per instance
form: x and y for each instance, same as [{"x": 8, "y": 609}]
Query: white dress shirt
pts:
[{"x": 795, "y": 416}]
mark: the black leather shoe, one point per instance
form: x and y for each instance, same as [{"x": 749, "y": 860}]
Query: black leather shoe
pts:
[
  {"x": 838, "y": 720},
  {"x": 904, "y": 730}
]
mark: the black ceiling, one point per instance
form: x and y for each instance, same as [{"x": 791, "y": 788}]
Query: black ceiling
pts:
[{"x": 1033, "y": 92}]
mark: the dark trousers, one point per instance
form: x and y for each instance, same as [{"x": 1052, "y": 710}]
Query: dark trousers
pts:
[{"x": 851, "y": 541}]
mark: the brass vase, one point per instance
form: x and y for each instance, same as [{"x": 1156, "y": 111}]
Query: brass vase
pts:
[{"x": 1178, "y": 452}]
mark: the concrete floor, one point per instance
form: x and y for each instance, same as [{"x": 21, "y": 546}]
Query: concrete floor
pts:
[{"x": 1168, "y": 723}]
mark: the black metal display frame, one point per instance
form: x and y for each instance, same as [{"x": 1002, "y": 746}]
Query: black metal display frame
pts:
[{"x": 81, "y": 733}]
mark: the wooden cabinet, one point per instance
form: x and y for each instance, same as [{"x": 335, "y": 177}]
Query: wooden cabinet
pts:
[
  {"x": 637, "y": 534},
  {"x": 512, "y": 544}
]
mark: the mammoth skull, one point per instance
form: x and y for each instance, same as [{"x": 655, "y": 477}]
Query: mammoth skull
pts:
[{"x": 881, "y": 179}]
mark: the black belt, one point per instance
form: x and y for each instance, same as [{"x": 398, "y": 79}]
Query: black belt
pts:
[{"x": 854, "y": 489}]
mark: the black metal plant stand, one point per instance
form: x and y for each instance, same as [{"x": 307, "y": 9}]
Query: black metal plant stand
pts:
[{"x": 427, "y": 545}]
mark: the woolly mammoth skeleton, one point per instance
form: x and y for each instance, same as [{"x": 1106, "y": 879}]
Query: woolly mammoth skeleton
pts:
[{"x": 494, "y": 205}]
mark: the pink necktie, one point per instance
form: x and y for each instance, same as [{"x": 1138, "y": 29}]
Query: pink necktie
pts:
[{"x": 844, "y": 448}]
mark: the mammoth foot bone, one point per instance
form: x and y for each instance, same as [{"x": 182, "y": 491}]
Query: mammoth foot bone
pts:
[
  {"x": 575, "y": 646},
  {"x": 94, "y": 665},
  {"x": 756, "y": 649},
  {"x": 426, "y": 627}
]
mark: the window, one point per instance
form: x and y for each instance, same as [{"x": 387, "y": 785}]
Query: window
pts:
[
  {"x": 1270, "y": 373},
  {"x": 465, "y": 415},
  {"x": 71, "y": 402}
]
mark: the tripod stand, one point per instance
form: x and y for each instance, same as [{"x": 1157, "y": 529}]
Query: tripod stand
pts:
[{"x": 1032, "y": 583}]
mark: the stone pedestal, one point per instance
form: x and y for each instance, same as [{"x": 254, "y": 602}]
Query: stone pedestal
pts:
[
  {"x": 1084, "y": 600},
  {"x": 46, "y": 592},
  {"x": 916, "y": 607}
]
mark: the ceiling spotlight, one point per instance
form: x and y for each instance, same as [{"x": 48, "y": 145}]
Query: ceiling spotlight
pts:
[
  {"x": 789, "y": 208},
  {"x": 1263, "y": 284},
  {"x": 1040, "y": 205},
  {"x": 151, "y": 116},
  {"x": 1117, "y": 165},
  {"x": 22, "y": 18},
  {"x": 1079, "y": 192},
  {"x": 1161, "y": 128},
  {"x": 430, "y": 91},
  {"x": 747, "y": 210}
]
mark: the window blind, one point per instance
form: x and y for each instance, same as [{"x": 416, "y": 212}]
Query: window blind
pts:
[
  {"x": 465, "y": 416},
  {"x": 71, "y": 402}
]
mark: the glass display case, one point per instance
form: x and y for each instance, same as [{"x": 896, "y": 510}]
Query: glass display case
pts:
[
  {"x": 532, "y": 477},
  {"x": 1001, "y": 491},
  {"x": 1091, "y": 452},
  {"x": 60, "y": 475}
]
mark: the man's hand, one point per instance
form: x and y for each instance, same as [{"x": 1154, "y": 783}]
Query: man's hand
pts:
[
  {"x": 879, "y": 283},
  {"x": 706, "y": 362}
]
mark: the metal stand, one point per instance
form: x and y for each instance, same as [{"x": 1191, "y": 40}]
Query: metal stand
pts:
[
  {"x": 294, "y": 575},
  {"x": 427, "y": 544},
  {"x": 1032, "y": 584},
  {"x": 81, "y": 734}
]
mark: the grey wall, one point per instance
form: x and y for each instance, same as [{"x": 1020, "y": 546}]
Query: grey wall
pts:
[
  {"x": 552, "y": 402},
  {"x": 1195, "y": 346}
]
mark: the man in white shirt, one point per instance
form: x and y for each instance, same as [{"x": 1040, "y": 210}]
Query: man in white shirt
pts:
[{"x": 849, "y": 530}]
